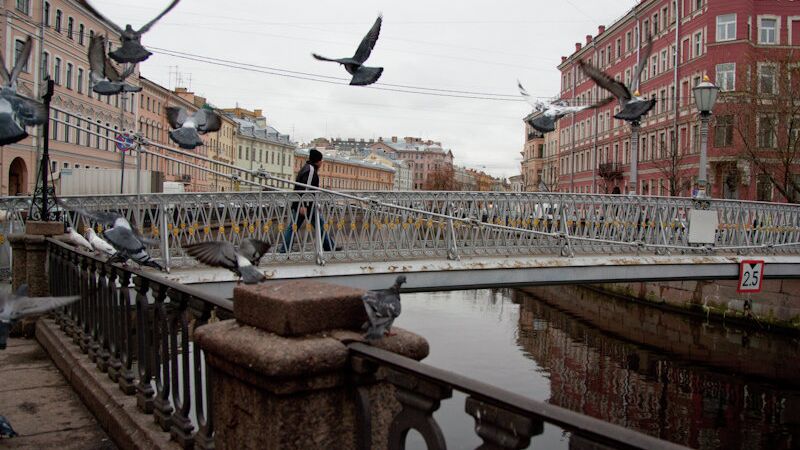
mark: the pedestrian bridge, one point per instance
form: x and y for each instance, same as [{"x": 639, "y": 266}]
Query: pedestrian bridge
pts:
[{"x": 457, "y": 239}]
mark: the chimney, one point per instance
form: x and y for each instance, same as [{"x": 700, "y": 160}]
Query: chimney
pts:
[
  {"x": 563, "y": 58},
  {"x": 577, "y": 46},
  {"x": 588, "y": 39},
  {"x": 601, "y": 29},
  {"x": 394, "y": 139},
  {"x": 257, "y": 112}
]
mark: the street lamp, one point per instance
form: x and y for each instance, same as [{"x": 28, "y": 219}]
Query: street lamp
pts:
[{"x": 705, "y": 96}]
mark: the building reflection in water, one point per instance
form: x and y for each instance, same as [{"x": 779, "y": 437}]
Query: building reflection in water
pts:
[{"x": 701, "y": 385}]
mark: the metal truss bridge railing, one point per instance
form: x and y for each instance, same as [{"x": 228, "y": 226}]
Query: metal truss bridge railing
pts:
[{"x": 391, "y": 226}]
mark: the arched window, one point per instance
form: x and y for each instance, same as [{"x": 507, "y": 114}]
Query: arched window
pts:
[
  {"x": 58, "y": 20},
  {"x": 81, "y": 30},
  {"x": 70, "y": 27}
]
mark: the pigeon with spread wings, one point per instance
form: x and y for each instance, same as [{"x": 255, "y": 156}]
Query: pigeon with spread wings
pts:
[
  {"x": 131, "y": 50},
  {"x": 632, "y": 106},
  {"x": 17, "y": 112},
  {"x": 106, "y": 80},
  {"x": 552, "y": 112},
  {"x": 18, "y": 305},
  {"x": 362, "y": 75},
  {"x": 187, "y": 130},
  {"x": 224, "y": 254}
]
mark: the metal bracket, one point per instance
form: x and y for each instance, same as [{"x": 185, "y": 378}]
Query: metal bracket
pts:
[{"x": 501, "y": 429}]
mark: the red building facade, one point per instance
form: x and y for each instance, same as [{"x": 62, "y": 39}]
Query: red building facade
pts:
[{"x": 741, "y": 45}]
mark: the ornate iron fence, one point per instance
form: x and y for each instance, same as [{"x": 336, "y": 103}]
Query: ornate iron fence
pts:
[
  {"x": 137, "y": 328},
  {"x": 373, "y": 226}
]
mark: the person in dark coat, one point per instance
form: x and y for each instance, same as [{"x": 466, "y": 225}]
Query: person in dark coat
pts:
[{"x": 308, "y": 174}]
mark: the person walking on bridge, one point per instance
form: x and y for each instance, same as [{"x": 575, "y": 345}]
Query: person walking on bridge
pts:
[{"x": 305, "y": 210}]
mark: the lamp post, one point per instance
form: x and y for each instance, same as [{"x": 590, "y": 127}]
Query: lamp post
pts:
[
  {"x": 43, "y": 203},
  {"x": 705, "y": 96}
]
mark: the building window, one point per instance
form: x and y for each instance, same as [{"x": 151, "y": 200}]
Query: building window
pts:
[
  {"x": 698, "y": 4},
  {"x": 767, "y": 31},
  {"x": 58, "y": 20},
  {"x": 628, "y": 41},
  {"x": 763, "y": 188},
  {"x": 766, "y": 132},
  {"x": 69, "y": 75},
  {"x": 57, "y": 71},
  {"x": 81, "y": 30},
  {"x": 726, "y": 27},
  {"x": 70, "y": 27},
  {"x": 766, "y": 79},
  {"x": 47, "y": 14},
  {"x": 726, "y": 76},
  {"x": 79, "y": 83},
  {"x": 24, "y": 6},
  {"x": 723, "y": 131},
  {"x": 18, "y": 46},
  {"x": 698, "y": 44},
  {"x": 45, "y": 65}
]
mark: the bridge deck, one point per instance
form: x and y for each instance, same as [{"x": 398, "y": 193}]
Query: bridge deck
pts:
[{"x": 42, "y": 407}]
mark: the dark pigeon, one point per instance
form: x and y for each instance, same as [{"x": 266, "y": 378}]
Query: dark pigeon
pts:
[
  {"x": 223, "y": 254},
  {"x": 253, "y": 249},
  {"x": 131, "y": 50},
  {"x": 17, "y": 112},
  {"x": 362, "y": 75},
  {"x": 383, "y": 306},
  {"x": 128, "y": 245},
  {"x": 632, "y": 106},
  {"x": 18, "y": 305},
  {"x": 552, "y": 112},
  {"x": 106, "y": 80},
  {"x": 5, "y": 428},
  {"x": 187, "y": 130}
]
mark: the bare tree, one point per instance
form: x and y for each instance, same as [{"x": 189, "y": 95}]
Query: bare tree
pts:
[
  {"x": 673, "y": 167},
  {"x": 443, "y": 179},
  {"x": 610, "y": 174},
  {"x": 765, "y": 120}
]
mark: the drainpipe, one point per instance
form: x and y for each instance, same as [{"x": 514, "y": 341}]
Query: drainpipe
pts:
[{"x": 675, "y": 78}]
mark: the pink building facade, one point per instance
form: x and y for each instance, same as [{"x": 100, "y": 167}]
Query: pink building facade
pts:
[
  {"x": 730, "y": 41},
  {"x": 425, "y": 157}
]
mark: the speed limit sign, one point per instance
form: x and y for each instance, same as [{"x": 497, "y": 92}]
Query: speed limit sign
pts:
[{"x": 751, "y": 273}]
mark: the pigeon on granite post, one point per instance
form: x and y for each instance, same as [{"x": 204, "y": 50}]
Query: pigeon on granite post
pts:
[{"x": 382, "y": 306}]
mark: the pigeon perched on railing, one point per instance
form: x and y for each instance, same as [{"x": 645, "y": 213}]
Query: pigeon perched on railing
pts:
[
  {"x": 224, "y": 254},
  {"x": 126, "y": 241},
  {"x": 362, "y": 75},
  {"x": 106, "y": 80},
  {"x": 74, "y": 238},
  {"x": 552, "y": 112},
  {"x": 17, "y": 112},
  {"x": 98, "y": 243},
  {"x": 131, "y": 50},
  {"x": 18, "y": 305},
  {"x": 253, "y": 249},
  {"x": 5, "y": 429},
  {"x": 383, "y": 306},
  {"x": 632, "y": 107},
  {"x": 187, "y": 130}
]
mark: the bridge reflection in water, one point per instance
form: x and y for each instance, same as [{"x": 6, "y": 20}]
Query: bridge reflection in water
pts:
[{"x": 698, "y": 384}]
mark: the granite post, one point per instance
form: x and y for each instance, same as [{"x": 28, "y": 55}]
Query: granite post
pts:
[
  {"x": 282, "y": 375},
  {"x": 19, "y": 264}
]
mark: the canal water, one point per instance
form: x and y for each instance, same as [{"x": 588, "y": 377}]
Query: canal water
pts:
[{"x": 700, "y": 384}]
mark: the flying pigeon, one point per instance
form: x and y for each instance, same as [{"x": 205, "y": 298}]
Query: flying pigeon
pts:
[
  {"x": 382, "y": 306},
  {"x": 5, "y": 428},
  {"x": 223, "y": 254},
  {"x": 99, "y": 245},
  {"x": 187, "y": 130},
  {"x": 632, "y": 107},
  {"x": 74, "y": 238},
  {"x": 106, "y": 80},
  {"x": 18, "y": 305},
  {"x": 362, "y": 75},
  {"x": 552, "y": 112},
  {"x": 17, "y": 112},
  {"x": 131, "y": 50},
  {"x": 253, "y": 250}
]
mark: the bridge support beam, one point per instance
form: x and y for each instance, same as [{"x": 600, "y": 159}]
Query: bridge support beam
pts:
[{"x": 282, "y": 375}]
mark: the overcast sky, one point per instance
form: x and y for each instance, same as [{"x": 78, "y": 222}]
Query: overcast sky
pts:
[{"x": 475, "y": 46}]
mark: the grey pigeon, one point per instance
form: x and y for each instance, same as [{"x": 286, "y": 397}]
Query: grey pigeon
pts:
[
  {"x": 253, "y": 249},
  {"x": 18, "y": 305},
  {"x": 362, "y": 75},
  {"x": 106, "y": 80},
  {"x": 128, "y": 244},
  {"x": 383, "y": 306},
  {"x": 74, "y": 238},
  {"x": 17, "y": 112},
  {"x": 187, "y": 130},
  {"x": 223, "y": 254},
  {"x": 632, "y": 106},
  {"x": 131, "y": 50},
  {"x": 552, "y": 112},
  {"x": 5, "y": 428}
]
